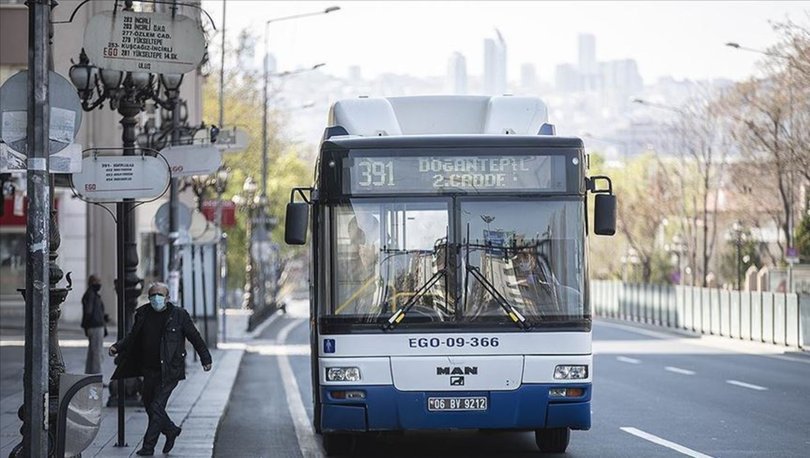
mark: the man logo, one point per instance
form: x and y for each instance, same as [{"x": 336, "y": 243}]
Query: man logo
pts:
[
  {"x": 457, "y": 380},
  {"x": 466, "y": 370}
]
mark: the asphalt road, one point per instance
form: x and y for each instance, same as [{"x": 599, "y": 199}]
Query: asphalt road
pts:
[{"x": 655, "y": 394}]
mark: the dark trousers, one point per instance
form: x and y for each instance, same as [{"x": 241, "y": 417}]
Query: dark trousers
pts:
[{"x": 155, "y": 395}]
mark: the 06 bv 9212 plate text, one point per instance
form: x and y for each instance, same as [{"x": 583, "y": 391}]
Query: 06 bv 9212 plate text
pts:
[{"x": 451, "y": 404}]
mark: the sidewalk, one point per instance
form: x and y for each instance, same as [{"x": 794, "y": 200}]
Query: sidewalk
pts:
[{"x": 197, "y": 404}]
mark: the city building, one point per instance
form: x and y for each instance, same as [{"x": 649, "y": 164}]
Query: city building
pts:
[
  {"x": 495, "y": 65},
  {"x": 87, "y": 231},
  {"x": 457, "y": 74}
]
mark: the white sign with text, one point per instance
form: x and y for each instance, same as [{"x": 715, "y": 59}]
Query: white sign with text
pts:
[
  {"x": 115, "y": 178},
  {"x": 191, "y": 160},
  {"x": 232, "y": 140},
  {"x": 144, "y": 42}
]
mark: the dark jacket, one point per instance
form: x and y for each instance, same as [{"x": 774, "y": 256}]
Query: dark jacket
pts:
[
  {"x": 179, "y": 327},
  {"x": 92, "y": 310}
]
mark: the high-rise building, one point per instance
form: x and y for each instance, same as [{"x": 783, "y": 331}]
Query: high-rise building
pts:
[
  {"x": 495, "y": 65},
  {"x": 457, "y": 74},
  {"x": 588, "y": 68},
  {"x": 621, "y": 76},
  {"x": 528, "y": 77},
  {"x": 566, "y": 78}
]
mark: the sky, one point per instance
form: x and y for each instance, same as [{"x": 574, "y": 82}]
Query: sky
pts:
[{"x": 683, "y": 39}]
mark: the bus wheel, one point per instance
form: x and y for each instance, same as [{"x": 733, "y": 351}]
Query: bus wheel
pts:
[
  {"x": 338, "y": 444},
  {"x": 552, "y": 440}
]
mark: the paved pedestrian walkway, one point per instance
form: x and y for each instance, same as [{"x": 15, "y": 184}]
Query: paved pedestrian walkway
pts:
[{"x": 197, "y": 404}]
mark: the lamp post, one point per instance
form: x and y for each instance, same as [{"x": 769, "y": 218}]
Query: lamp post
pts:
[
  {"x": 246, "y": 201},
  {"x": 126, "y": 92},
  {"x": 220, "y": 185},
  {"x": 738, "y": 234},
  {"x": 677, "y": 247},
  {"x": 266, "y": 73},
  {"x": 790, "y": 174}
]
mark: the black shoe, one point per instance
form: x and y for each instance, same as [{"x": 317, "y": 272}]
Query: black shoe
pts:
[
  {"x": 145, "y": 452},
  {"x": 170, "y": 438}
]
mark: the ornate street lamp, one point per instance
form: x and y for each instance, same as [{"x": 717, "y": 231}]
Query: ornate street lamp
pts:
[
  {"x": 220, "y": 185},
  {"x": 247, "y": 201}
]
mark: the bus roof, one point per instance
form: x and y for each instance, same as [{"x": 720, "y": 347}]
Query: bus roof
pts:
[
  {"x": 455, "y": 141},
  {"x": 442, "y": 114}
]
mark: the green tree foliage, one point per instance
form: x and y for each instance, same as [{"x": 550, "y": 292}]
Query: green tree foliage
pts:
[
  {"x": 749, "y": 255},
  {"x": 243, "y": 109}
]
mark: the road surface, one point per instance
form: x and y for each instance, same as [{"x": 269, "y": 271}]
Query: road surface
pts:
[{"x": 656, "y": 394}]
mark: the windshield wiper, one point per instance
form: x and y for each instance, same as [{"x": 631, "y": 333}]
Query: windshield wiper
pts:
[
  {"x": 508, "y": 308},
  {"x": 399, "y": 315}
]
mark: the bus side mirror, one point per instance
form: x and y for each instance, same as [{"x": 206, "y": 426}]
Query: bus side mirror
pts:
[
  {"x": 604, "y": 214},
  {"x": 295, "y": 226}
]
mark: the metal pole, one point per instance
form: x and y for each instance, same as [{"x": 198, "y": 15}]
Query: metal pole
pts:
[
  {"x": 264, "y": 112},
  {"x": 220, "y": 259},
  {"x": 261, "y": 211},
  {"x": 37, "y": 300},
  {"x": 222, "y": 72},
  {"x": 174, "y": 258},
  {"x": 739, "y": 262},
  {"x": 221, "y": 287},
  {"x": 203, "y": 270},
  {"x": 120, "y": 211},
  {"x": 193, "y": 288}
]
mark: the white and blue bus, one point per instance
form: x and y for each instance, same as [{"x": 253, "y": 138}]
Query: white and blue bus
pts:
[{"x": 449, "y": 285}]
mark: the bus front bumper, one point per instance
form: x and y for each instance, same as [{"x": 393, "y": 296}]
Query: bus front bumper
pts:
[{"x": 384, "y": 408}]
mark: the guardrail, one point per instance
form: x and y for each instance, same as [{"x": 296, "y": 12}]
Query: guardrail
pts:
[{"x": 777, "y": 318}]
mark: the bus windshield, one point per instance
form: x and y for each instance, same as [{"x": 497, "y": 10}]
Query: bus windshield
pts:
[{"x": 453, "y": 261}]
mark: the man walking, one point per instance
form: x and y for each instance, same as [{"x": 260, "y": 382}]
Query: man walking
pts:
[
  {"x": 156, "y": 350},
  {"x": 94, "y": 324}
]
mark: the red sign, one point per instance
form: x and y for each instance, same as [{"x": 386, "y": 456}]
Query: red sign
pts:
[
  {"x": 209, "y": 209},
  {"x": 10, "y": 219}
]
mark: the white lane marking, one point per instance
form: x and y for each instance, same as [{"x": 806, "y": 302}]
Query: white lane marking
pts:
[
  {"x": 625, "y": 359},
  {"x": 663, "y": 442},
  {"x": 310, "y": 447},
  {"x": 678, "y": 370},
  {"x": 746, "y": 385},
  {"x": 260, "y": 328}
]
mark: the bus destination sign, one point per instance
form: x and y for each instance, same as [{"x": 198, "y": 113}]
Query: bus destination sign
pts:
[{"x": 436, "y": 174}]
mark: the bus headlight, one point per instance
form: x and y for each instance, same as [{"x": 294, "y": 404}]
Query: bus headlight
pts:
[
  {"x": 570, "y": 372},
  {"x": 343, "y": 374}
]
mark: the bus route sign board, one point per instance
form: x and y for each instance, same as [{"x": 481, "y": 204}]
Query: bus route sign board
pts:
[
  {"x": 430, "y": 174},
  {"x": 144, "y": 42},
  {"x": 192, "y": 160},
  {"x": 115, "y": 178}
]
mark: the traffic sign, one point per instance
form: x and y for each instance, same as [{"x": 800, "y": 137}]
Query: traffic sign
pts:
[
  {"x": 162, "y": 218},
  {"x": 191, "y": 160},
  {"x": 231, "y": 140},
  {"x": 65, "y": 112},
  {"x": 144, "y": 42},
  {"x": 792, "y": 255},
  {"x": 115, "y": 178}
]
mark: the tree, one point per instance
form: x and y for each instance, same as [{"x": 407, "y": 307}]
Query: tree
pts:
[
  {"x": 701, "y": 146},
  {"x": 644, "y": 196},
  {"x": 242, "y": 108}
]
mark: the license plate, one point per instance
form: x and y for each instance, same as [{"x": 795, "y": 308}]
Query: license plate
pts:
[{"x": 455, "y": 404}]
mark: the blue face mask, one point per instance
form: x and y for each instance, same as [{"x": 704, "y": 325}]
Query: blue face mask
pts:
[{"x": 158, "y": 302}]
